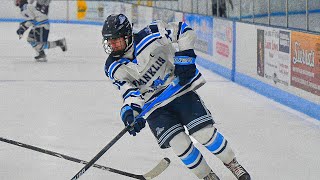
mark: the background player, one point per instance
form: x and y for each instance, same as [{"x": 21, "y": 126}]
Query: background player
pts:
[
  {"x": 38, "y": 35},
  {"x": 143, "y": 66},
  {"x": 41, "y": 5}
]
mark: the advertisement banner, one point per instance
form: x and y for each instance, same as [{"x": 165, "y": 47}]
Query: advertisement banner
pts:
[
  {"x": 81, "y": 9},
  {"x": 305, "y": 62},
  {"x": 260, "y": 52},
  {"x": 222, "y": 41},
  {"x": 273, "y": 55},
  {"x": 203, "y": 27}
]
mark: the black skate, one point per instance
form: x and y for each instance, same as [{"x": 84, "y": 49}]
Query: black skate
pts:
[
  {"x": 42, "y": 57},
  {"x": 62, "y": 44},
  {"x": 211, "y": 176},
  {"x": 238, "y": 170}
]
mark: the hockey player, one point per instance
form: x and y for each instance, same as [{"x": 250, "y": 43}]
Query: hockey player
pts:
[
  {"x": 38, "y": 35},
  {"x": 142, "y": 66},
  {"x": 42, "y": 5}
]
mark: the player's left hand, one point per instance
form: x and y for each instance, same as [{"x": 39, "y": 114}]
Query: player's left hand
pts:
[
  {"x": 185, "y": 73},
  {"x": 185, "y": 68}
]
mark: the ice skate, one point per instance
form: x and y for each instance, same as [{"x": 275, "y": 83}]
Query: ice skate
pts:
[
  {"x": 42, "y": 57},
  {"x": 211, "y": 176},
  {"x": 238, "y": 170},
  {"x": 62, "y": 44}
]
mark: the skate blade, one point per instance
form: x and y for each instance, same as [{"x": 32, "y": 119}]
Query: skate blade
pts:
[
  {"x": 64, "y": 45},
  {"x": 42, "y": 60}
]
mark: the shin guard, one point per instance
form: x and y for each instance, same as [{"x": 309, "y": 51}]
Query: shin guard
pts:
[{"x": 190, "y": 155}]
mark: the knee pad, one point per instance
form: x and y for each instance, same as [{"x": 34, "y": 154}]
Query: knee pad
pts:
[
  {"x": 180, "y": 143},
  {"x": 215, "y": 142},
  {"x": 189, "y": 155},
  {"x": 205, "y": 134}
]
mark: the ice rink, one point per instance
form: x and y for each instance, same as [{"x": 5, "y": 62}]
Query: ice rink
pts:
[{"x": 67, "y": 105}]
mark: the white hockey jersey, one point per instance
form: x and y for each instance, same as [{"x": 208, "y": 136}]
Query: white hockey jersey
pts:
[
  {"x": 145, "y": 71},
  {"x": 41, "y": 2},
  {"x": 42, "y": 5},
  {"x": 34, "y": 17}
]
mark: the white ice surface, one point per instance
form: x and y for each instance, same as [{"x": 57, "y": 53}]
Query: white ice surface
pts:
[{"x": 67, "y": 105}]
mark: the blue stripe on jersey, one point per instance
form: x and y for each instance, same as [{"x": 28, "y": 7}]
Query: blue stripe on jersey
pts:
[
  {"x": 169, "y": 91},
  {"x": 134, "y": 93},
  {"x": 41, "y": 22},
  {"x": 192, "y": 157},
  {"x": 145, "y": 40},
  {"x": 147, "y": 45},
  {"x": 119, "y": 83},
  {"x": 183, "y": 26},
  {"x": 215, "y": 145},
  {"x": 115, "y": 65}
]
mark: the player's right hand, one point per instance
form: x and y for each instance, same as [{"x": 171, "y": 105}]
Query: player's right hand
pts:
[
  {"x": 20, "y": 32},
  {"x": 127, "y": 116}
]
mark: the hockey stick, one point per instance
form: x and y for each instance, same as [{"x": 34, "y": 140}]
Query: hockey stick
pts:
[
  {"x": 159, "y": 99},
  {"x": 162, "y": 165}
]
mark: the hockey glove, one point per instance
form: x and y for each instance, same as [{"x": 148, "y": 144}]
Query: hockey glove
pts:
[
  {"x": 185, "y": 68},
  {"x": 22, "y": 29},
  {"x": 127, "y": 116}
]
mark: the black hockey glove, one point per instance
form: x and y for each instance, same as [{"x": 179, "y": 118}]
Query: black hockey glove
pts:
[
  {"x": 22, "y": 29},
  {"x": 127, "y": 116},
  {"x": 185, "y": 68}
]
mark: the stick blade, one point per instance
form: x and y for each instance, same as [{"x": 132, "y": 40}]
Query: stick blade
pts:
[{"x": 157, "y": 170}]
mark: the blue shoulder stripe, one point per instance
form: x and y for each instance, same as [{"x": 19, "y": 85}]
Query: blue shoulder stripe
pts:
[
  {"x": 115, "y": 65},
  {"x": 145, "y": 41}
]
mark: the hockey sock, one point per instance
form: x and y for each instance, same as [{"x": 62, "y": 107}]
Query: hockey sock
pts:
[
  {"x": 190, "y": 155},
  {"x": 215, "y": 142},
  {"x": 52, "y": 44}
]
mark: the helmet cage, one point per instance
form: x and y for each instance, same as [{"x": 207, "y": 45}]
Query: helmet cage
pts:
[{"x": 109, "y": 50}]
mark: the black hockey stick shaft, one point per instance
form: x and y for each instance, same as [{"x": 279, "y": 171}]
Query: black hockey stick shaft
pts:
[
  {"x": 62, "y": 156},
  {"x": 166, "y": 92},
  {"x": 105, "y": 149}
]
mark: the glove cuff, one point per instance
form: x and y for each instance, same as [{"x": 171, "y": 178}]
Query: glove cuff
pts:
[
  {"x": 185, "y": 57},
  {"x": 127, "y": 110}
]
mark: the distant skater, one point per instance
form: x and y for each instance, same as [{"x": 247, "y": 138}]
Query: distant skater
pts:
[{"x": 37, "y": 20}]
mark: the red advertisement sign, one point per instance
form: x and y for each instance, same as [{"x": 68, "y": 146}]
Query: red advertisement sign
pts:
[{"x": 305, "y": 62}]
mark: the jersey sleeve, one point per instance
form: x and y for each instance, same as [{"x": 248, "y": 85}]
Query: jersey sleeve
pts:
[
  {"x": 121, "y": 79},
  {"x": 182, "y": 34}
]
